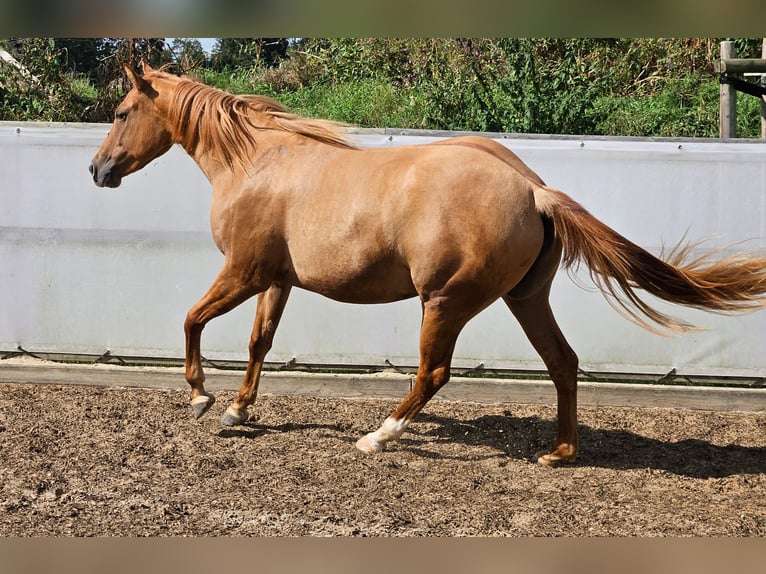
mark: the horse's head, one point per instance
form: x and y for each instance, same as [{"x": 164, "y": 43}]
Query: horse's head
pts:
[{"x": 140, "y": 133}]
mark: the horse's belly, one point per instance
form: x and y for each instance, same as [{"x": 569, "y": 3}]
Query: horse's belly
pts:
[{"x": 377, "y": 283}]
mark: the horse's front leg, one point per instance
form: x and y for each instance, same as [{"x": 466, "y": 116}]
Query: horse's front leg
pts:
[
  {"x": 226, "y": 292},
  {"x": 268, "y": 312}
]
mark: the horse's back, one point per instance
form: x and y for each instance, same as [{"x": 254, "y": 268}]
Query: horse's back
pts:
[{"x": 497, "y": 150}]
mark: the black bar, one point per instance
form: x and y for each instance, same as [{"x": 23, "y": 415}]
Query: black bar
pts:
[{"x": 742, "y": 86}]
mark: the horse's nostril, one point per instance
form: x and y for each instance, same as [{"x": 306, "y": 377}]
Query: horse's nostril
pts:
[{"x": 92, "y": 169}]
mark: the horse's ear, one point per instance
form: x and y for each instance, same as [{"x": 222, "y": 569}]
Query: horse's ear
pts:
[
  {"x": 145, "y": 66},
  {"x": 135, "y": 78}
]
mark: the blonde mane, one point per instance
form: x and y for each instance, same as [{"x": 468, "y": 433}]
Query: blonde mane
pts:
[{"x": 226, "y": 125}]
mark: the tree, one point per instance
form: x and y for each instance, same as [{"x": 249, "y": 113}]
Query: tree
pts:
[
  {"x": 235, "y": 53},
  {"x": 82, "y": 55},
  {"x": 71, "y": 79},
  {"x": 607, "y": 86},
  {"x": 37, "y": 88},
  {"x": 188, "y": 54}
]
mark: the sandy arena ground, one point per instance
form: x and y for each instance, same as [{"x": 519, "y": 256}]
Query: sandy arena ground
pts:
[{"x": 87, "y": 460}]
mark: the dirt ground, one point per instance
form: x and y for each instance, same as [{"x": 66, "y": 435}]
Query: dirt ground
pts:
[{"x": 84, "y": 461}]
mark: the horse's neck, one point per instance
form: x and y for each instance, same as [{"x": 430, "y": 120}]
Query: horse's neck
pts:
[{"x": 221, "y": 175}]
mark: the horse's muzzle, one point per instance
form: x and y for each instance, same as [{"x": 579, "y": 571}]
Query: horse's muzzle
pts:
[{"x": 104, "y": 176}]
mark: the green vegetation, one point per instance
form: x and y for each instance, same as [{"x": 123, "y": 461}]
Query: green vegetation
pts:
[{"x": 636, "y": 87}]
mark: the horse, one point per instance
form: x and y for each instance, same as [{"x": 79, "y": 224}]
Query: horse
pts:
[{"x": 458, "y": 223}]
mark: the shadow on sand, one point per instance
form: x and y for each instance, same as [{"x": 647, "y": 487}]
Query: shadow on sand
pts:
[
  {"x": 606, "y": 448},
  {"x": 521, "y": 437}
]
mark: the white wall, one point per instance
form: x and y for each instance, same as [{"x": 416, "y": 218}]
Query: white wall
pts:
[{"x": 84, "y": 269}]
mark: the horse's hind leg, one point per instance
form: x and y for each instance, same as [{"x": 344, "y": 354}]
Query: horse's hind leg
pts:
[
  {"x": 536, "y": 318},
  {"x": 438, "y": 334},
  {"x": 271, "y": 303},
  {"x": 226, "y": 292}
]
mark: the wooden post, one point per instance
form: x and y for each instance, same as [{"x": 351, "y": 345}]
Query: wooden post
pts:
[
  {"x": 728, "y": 104},
  {"x": 763, "y": 97}
]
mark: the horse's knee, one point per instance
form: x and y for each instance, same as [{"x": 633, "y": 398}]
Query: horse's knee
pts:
[
  {"x": 192, "y": 324},
  {"x": 259, "y": 347},
  {"x": 262, "y": 339}
]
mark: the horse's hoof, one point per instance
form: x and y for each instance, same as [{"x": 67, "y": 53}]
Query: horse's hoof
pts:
[
  {"x": 369, "y": 446},
  {"x": 201, "y": 404},
  {"x": 554, "y": 458},
  {"x": 547, "y": 459},
  {"x": 233, "y": 417}
]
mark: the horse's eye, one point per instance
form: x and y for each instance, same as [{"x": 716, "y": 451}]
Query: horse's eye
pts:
[{"x": 122, "y": 116}]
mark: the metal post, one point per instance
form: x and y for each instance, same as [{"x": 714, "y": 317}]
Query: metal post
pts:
[
  {"x": 763, "y": 97},
  {"x": 728, "y": 97}
]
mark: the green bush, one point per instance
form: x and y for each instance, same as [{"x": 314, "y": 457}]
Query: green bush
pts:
[
  {"x": 603, "y": 86},
  {"x": 748, "y": 116},
  {"x": 679, "y": 107},
  {"x": 366, "y": 103}
]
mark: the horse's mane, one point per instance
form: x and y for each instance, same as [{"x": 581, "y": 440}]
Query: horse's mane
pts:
[{"x": 226, "y": 125}]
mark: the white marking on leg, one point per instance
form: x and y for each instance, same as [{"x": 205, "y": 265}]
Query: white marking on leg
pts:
[{"x": 391, "y": 429}]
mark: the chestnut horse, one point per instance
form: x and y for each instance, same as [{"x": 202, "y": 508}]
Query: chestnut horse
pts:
[{"x": 458, "y": 223}]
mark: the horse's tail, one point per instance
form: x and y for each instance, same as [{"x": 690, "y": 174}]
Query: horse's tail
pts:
[{"x": 619, "y": 267}]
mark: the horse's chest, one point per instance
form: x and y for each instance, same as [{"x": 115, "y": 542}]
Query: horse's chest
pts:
[
  {"x": 236, "y": 227},
  {"x": 221, "y": 229}
]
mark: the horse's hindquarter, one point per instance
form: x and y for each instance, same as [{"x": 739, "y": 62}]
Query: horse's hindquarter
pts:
[{"x": 383, "y": 225}]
